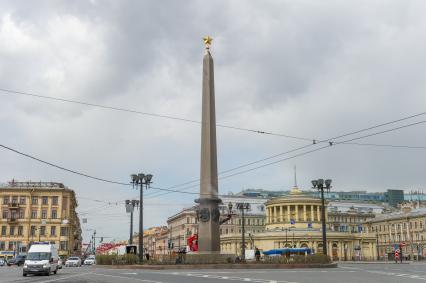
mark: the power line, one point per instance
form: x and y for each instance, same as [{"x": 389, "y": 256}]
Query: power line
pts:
[
  {"x": 299, "y": 148},
  {"x": 180, "y": 191},
  {"x": 302, "y": 154},
  {"x": 8, "y": 91},
  {"x": 63, "y": 168}
]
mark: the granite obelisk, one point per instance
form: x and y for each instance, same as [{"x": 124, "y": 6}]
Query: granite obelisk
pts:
[{"x": 208, "y": 227}]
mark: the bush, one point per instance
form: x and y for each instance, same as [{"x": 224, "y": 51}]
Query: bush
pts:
[
  {"x": 117, "y": 259},
  {"x": 308, "y": 259}
]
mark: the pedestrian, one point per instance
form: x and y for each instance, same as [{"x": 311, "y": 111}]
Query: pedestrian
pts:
[
  {"x": 147, "y": 256},
  {"x": 257, "y": 254}
]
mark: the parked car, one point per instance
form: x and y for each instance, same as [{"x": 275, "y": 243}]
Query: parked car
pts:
[
  {"x": 73, "y": 261},
  {"x": 18, "y": 260},
  {"x": 2, "y": 262},
  {"x": 42, "y": 259},
  {"x": 90, "y": 260}
]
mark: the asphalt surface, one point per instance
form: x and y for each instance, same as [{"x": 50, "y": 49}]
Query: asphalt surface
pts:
[{"x": 348, "y": 273}]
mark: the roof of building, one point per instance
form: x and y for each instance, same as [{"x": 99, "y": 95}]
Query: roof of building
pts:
[{"x": 419, "y": 212}]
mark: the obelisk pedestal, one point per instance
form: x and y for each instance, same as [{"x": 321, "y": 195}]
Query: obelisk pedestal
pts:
[{"x": 209, "y": 214}]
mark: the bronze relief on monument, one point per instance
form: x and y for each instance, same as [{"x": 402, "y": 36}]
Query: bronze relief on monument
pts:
[{"x": 204, "y": 215}]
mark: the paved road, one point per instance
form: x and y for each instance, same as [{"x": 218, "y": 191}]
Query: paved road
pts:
[{"x": 348, "y": 273}]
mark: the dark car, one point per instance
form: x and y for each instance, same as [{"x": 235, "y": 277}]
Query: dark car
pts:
[{"x": 18, "y": 260}]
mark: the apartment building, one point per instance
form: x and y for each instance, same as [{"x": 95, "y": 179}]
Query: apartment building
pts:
[{"x": 38, "y": 211}]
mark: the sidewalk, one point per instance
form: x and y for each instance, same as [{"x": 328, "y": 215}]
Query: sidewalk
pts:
[{"x": 373, "y": 262}]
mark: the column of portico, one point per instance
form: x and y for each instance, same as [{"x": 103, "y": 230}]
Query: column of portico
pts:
[
  {"x": 297, "y": 213},
  {"x": 269, "y": 215},
  {"x": 288, "y": 213},
  {"x": 275, "y": 214},
  {"x": 304, "y": 213},
  {"x": 281, "y": 213},
  {"x": 312, "y": 213},
  {"x": 318, "y": 213}
]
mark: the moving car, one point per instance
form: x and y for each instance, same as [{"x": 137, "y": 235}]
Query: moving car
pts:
[
  {"x": 18, "y": 260},
  {"x": 91, "y": 259},
  {"x": 2, "y": 262},
  {"x": 42, "y": 258},
  {"x": 73, "y": 261}
]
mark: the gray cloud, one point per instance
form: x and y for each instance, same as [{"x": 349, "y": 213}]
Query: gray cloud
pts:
[{"x": 302, "y": 68}]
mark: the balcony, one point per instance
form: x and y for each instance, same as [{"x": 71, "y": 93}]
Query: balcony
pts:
[
  {"x": 13, "y": 205},
  {"x": 12, "y": 220}
]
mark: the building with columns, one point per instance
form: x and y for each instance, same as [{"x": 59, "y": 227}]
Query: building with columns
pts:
[
  {"x": 295, "y": 221},
  {"x": 405, "y": 229}
]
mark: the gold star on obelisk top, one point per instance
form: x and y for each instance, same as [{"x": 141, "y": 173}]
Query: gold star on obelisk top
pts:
[{"x": 207, "y": 41}]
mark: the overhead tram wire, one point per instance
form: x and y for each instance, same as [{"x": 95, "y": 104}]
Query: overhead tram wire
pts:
[
  {"x": 181, "y": 191},
  {"x": 63, "y": 168},
  {"x": 302, "y": 154},
  {"x": 299, "y": 148},
  {"x": 302, "y": 147},
  {"x": 8, "y": 91}
]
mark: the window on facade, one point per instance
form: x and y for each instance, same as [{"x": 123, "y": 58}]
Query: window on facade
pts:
[
  {"x": 45, "y": 200},
  {"x": 64, "y": 231},
  {"x": 21, "y": 214},
  {"x": 55, "y": 200},
  {"x": 11, "y": 246},
  {"x": 14, "y": 199},
  {"x": 13, "y": 214},
  {"x": 33, "y": 228},
  {"x": 6, "y": 200},
  {"x": 54, "y": 214},
  {"x": 34, "y": 200},
  {"x": 63, "y": 245},
  {"x": 53, "y": 230},
  {"x": 42, "y": 230},
  {"x": 415, "y": 225},
  {"x": 43, "y": 214},
  {"x": 239, "y": 221},
  {"x": 34, "y": 214},
  {"x": 2, "y": 245},
  {"x": 22, "y": 200},
  {"x": 20, "y": 230},
  {"x": 187, "y": 220},
  {"x": 12, "y": 231},
  {"x": 3, "y": 230},
  {"x": 5, "y": 214}
]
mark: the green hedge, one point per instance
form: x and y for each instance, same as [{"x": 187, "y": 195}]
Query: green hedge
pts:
[{"x": 117, "y": 259}]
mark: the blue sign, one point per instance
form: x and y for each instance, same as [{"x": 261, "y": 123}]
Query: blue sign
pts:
[
  {"x": 309, "y": 225},
  {"x": 292, "y": 221}
]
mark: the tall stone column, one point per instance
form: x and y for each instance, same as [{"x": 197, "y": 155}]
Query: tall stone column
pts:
[{"x": 208, "y": 227}]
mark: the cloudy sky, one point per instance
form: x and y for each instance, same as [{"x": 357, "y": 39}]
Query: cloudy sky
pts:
[{"x": 310, "y": 69}]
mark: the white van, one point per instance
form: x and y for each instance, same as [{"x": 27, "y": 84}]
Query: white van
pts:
[{"x": 42, "y": 258}]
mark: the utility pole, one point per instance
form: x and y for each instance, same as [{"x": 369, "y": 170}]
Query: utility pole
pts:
[
  {"x": 242, "y": 207},
  {"x": 320, "y": 184},
  {"x": 130, "y": 207},
  {"x": 94, "y": 242},
  {"x": 141, "y": 179}
]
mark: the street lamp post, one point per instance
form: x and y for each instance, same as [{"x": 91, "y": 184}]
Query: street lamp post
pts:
[
  {"x": 243, "y": 206},
  {"x": 130, "y": 207},
  {"x": 320, "y": 184},
  {"x": 141, "y": 179}
]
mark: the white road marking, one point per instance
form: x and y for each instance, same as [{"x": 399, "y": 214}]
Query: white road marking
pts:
[
  {"x": 63, "y": 278},
  {"x": 129, "y": 278},
  {"x": 129, "y": 273}
]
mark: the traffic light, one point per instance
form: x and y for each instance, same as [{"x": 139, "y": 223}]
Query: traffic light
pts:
[{"x": 102, "y": 239}]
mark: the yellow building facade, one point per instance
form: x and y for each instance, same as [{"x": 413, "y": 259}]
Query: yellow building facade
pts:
[
  {"x": 295, "y": 221},
  {"x": 38, "y": 211},
  {"x": 405, "y": 230}
]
